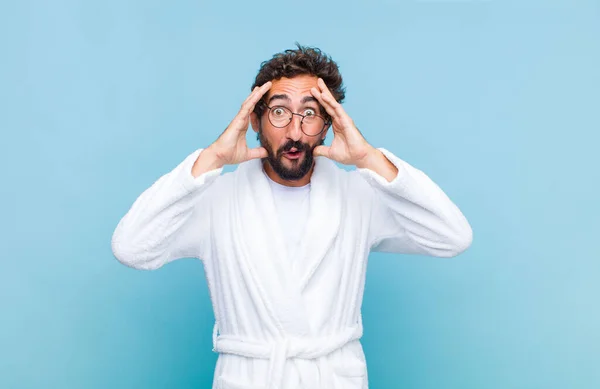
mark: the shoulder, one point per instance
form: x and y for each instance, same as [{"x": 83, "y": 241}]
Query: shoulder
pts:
[
  {"x": 349, "y": 178},
  {"x": 239, "y": 175}
]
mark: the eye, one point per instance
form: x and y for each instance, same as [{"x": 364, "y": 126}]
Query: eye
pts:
[
  {"x": 309, "y": 112},
  {"x": 278, "y": 111}
]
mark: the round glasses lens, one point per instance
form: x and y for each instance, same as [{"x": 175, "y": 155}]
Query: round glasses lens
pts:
[
  {"x": 280, "y": 116},
  {"x": 313, "y": 125}
]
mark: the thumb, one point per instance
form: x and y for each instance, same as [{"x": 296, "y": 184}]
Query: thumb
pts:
[
  {"x": 321, "y": 151},
  {"x": 258, "y": 152}
]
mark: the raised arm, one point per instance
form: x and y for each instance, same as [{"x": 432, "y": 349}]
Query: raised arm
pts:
[
  {"x": 410, "y": 213},
  {"x": 168, "y": 220}
]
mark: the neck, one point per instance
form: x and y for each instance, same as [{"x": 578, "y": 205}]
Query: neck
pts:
[{"x": 275, "y": 177}]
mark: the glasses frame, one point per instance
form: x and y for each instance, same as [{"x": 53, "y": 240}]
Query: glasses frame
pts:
[{"x": 326, "y": 122}]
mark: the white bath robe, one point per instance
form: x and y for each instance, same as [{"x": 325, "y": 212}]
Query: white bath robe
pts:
[{"x": 280, "y": 325}]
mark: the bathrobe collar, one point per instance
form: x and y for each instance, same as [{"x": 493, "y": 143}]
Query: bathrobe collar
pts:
[{"x": 268, "y": 258}]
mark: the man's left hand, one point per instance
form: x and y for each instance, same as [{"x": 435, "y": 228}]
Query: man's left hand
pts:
[{"x": 348, "y": 147}]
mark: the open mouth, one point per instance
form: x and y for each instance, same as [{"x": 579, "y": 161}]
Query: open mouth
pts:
[{"x": 293, "y": 154}]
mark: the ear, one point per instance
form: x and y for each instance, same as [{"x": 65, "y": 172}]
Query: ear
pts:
[
  {"x": 324, "y": 133},
  {"x": 254, "y": 120}
]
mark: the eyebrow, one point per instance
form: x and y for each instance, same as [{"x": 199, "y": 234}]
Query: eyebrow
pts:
[{"x": 304, "y": 100}]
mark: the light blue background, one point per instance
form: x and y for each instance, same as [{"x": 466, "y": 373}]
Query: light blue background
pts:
[{"x": 498, "y": 102}]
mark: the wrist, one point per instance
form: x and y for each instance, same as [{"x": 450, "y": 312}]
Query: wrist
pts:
[
  {"x": 207, "y": 160},
  {"x": 370, "y": 158},
  {"x": 376, "y": 161}
]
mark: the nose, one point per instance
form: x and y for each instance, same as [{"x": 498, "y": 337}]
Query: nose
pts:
[{"x": 294, "y": 130}]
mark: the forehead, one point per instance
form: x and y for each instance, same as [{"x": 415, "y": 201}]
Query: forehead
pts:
[{"x": 294, "y": 87}]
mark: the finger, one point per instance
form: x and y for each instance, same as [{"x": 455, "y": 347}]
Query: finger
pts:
[
  {"x": 249, "y": 99},
  {"x": 325, "y": 90},
  {"x": 329, "y": 98},
  {"x": 256, "y": 95},
  {"x": 321, "y": 151},
  {"x": 258, "y": 152},
  {"x": 322, "y": 84},
  {"x": 261, "y": 92},
  {"x": 250, "y": 95},
  {"x": 239, "y": 124},
  {"x": 319, "y": 96}
]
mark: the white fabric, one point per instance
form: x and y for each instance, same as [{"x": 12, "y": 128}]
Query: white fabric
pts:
[
  {"x": 279, "y": 326},
  {"x": 291, "y": 204},
  {"x": 278, "y": 352}
]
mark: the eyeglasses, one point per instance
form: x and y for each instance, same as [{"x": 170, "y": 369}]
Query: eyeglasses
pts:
[{"x": 311, "y": 123}]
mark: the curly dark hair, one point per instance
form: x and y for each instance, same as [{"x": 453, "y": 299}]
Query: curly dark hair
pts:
[{"x": 295, "y": 62}]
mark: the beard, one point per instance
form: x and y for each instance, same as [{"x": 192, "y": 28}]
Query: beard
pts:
[{"x": 299, "y": 168}]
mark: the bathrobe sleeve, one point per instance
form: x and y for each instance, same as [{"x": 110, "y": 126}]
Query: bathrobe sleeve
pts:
[
  {"x": 167, "y": 221},
  {"x": 412, "y": 215}
]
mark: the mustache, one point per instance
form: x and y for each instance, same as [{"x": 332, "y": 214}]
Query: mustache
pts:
[{"x": 293, "y": 144}]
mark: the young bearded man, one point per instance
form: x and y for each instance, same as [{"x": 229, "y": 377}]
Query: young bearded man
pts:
[{"x": 285, "y": 238}]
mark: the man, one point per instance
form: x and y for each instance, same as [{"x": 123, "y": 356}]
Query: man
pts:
[{"x": 285, "y": 238}]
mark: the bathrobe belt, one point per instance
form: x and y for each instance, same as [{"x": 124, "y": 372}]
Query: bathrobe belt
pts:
[{"x": 278, "y": 351}]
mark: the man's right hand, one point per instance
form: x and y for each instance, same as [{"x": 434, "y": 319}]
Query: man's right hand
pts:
[{"x": 231, "y": 147}]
